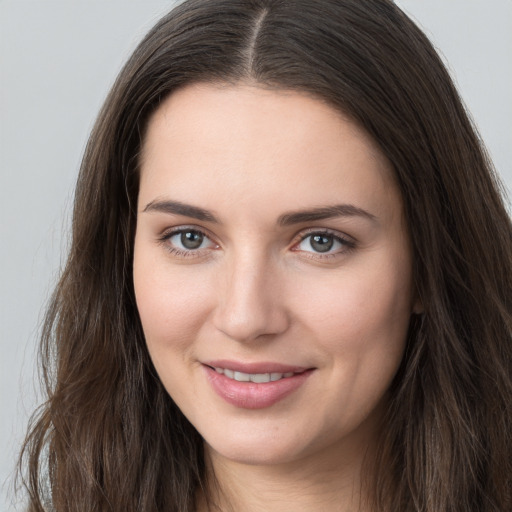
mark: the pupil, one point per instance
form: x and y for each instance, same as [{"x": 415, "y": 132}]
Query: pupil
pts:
[
  {"x": 191, "y": 239},
  {"x": 322, "y": 243}
]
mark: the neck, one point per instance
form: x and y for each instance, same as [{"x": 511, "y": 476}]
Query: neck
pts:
[{"x": 329, "y": 482}]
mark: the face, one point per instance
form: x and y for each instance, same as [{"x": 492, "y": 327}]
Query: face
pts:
[{"x": 272, "y": 271}]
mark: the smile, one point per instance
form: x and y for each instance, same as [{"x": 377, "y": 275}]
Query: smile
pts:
[
  {"x": 258, "y": 378},
  {"x": 260, "y": 385}
]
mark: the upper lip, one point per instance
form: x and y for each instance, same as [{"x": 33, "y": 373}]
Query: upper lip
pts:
[{"x": 255, "y": 367}]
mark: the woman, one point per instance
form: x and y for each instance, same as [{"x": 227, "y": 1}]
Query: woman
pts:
[{"x": 289, "y": 280}]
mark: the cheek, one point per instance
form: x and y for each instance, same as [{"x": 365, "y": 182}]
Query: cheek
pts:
[
  {"x": 362, "y": 313},
  {"x": 362, "y": 326},
  {"x": 172, "y": 307},
  {"x": 171, "y": 302}
]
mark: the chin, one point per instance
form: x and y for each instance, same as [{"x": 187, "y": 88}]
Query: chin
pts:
[
  {"x": 253, "y": 456},
  {"x": 264, "y": 448}
]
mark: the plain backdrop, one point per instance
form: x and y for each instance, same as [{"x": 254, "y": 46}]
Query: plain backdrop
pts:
[{"x": 57, "y": 61}]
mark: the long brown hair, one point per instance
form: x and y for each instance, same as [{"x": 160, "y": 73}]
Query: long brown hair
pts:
[{"x": 109, "y": 438}]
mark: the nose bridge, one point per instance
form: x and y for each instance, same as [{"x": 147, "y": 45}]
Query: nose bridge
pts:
[{"x": 249, "y": 303}]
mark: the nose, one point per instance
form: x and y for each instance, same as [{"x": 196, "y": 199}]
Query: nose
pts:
[{"x": 250, "y": 303}]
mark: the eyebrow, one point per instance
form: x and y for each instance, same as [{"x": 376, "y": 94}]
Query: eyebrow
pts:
[
  {"x": 178, "y": 208},
  {"x": 326, "y": 212},
  {"x": 287, "y": 219}
]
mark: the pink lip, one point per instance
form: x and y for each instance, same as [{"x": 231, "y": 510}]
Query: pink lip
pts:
[{"x": 251, "y": 395}]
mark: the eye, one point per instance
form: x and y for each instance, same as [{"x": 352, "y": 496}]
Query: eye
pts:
[
  {"x": 324, "y": 243},
  {"x": 188, "y": 240},
  {"x": 185, "y": 241}
]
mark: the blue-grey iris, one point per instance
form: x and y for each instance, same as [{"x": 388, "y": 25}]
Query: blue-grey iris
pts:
[{"x": 322, "y": 243}]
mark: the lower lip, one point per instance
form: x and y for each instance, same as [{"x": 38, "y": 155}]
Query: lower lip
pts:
[{"x": 251, "y": 395}]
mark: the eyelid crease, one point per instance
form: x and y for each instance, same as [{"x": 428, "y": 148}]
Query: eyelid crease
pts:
[
  {"x": 342, "y": 237},
  {"x": 166, "y": 233}
]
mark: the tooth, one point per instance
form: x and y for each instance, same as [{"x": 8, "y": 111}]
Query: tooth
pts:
[{"x": 260, "y": 377}]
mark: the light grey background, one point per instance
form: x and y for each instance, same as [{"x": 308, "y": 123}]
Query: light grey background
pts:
[{"x": 57, "y": 61}]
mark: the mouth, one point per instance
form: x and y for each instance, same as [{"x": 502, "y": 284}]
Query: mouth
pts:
[
  {"x": 258, "y": 378},
  {"x": 255, "y": 385}
]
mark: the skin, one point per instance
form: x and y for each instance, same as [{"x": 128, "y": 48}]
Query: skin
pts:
[{"x": 258, "y": 290}]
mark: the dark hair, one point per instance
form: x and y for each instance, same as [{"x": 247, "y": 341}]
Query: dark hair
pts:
[{"x": 110, "y": 438}]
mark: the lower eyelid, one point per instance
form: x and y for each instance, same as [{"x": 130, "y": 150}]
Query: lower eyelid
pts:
[
  {"x": 184, "y": 253},
  {"x": 336, "y": 255}
]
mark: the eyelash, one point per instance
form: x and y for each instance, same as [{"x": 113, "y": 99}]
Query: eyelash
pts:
[
  {"x": 348, "y": 243},
  {"x": 183, "y": 253}
]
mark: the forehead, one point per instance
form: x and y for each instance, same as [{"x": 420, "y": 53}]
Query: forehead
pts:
[
  {"x": 250, "y": 109},
  {"x": 241, "y": 140}
]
